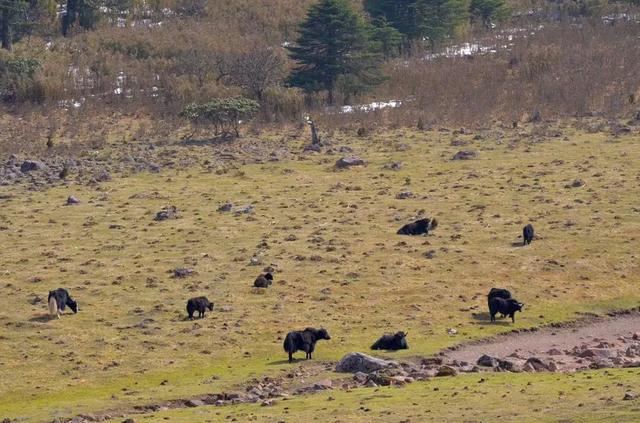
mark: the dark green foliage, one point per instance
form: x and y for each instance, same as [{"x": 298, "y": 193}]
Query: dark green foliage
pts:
[
  {"x": 334, "y": 46},
  {"x": 385, "y": 38},
  {"x": 12, "y": 13},
  {"x": 428, "y": 20},
  {"x": 17, "y": 79},
  {"x": 487, "y": 11},
  {"x": 223, "y": 114},
  {"x": 84, "y": 12}
]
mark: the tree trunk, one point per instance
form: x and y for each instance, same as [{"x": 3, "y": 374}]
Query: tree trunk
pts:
[{"x": 5, "y": 29}]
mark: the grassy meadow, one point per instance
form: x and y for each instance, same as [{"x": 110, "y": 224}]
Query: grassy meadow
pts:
[{"x": 330, "y": 236}]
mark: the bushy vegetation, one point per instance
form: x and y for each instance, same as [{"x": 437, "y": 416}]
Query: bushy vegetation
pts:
[{"x": 224, "y": 115}]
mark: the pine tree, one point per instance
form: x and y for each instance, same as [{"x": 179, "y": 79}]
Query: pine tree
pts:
[
  {"x": 487, "y": 11},
  {"x": 428, "y": 20},
  {"x": 333, "y": 48}
]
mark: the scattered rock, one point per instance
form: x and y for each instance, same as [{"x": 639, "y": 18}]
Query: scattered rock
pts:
[
  {"x": 577, "y": 183},
  {"x": 194, "y": 403},
  {"x": 31, "y": 165},
  {"x": 244, "y": 210},
  {"x": 358, "y": 362},
  {"x": 182, "y": 272},
  {"x": 403, "y": 195},
  {"x": 487, "y": 361},
  {"x": 72, "y": 200},
  {"x": 464, "y": 155},
  {"x": 540, "y": 365},
  {"x": 169, "y": 212},
  {"x": 629, "y": 396},
  {"x": 349, "y": 161},
  {"x": 226, "y": 207},
  {"x": 393, "y": 166},
  {"x": 430, "y": 254},
  {"x": 447, "y": 371}
]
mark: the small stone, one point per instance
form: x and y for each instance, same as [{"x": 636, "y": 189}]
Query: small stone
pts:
[
  {"x": 628, "y": 396},
  {"x": 226, "y": 207},
  {"x": 169, "y": 212},
  {"x": 464, "y": 155},
  {"x": 72, "y": 200},
  {"x": 349, "y": 161},
  {"x": 403, "y": 195}
]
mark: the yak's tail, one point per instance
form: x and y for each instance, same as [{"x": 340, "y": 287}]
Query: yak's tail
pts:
[
  {"x": 289, "y": 344},
  {"x": 53, "y": 306}
]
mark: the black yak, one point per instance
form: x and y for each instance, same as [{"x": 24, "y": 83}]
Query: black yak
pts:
[
  {"x": 500, "y": 293},
  {"x": 199, "y": 304},
  {"x": 419, "y": 227},
  {"x": 263, "y": 281},
  {"x": 527, "y": 234},
  {"x": 506, "y": 307},
  {"x": 304, "y": 340},
  {"x": 397, "y": 341},
  {"x": 58, "y": 300}
]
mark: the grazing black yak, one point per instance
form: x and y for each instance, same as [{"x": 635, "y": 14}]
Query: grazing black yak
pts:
[
  {"x": 397, "y": 341},
  {"x": 527, "y": 234},
  {"x": 304, "y": 340},
  {"x": 199, "y": 304},
  {"x": 263, "y": 281},
  {"x": 506, "y": 307},
  {"x": 419, "y": 227},
  {"x": 500, "y": 293},
  {"x": 58, "y": 300}
]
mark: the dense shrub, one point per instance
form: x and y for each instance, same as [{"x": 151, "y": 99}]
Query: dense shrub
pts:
[{"x": 224, "y": 115}]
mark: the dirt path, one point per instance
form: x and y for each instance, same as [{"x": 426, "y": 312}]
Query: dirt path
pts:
[{"x": 608, "y": 338}]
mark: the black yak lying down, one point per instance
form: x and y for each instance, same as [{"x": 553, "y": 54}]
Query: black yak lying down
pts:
[
  {"x": 58, "y": 300},
  {"x": 304, "y": 340},
  {"x": 506, "y": 307},
  {"x": 397, "y": 341},
  {"x": 527, "y": 234},
  {"x": 419, "y": 227},
  {"x": 263, "y": 281},
  {"x": 199, "y": 304}
]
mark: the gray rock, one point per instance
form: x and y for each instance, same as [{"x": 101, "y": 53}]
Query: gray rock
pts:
[
  {"x": 487, "y": 361},
  {"x": 629, "y": 396},
  {"x": 72, "y": 200},
  {"x": 169, "y": 212},
  {"x": 577, "y": 183},
  {"x": 31, "y": 165},
  {"x": 349, "y": 161},
  {"x": 541, "y": 365},
  {"x": 244, "y": 210},
  {"x": 182, "y": 272},
  {"x": 358, "y": 362},
  {"x": 403, "y": 195},
  {"x": 226, "y": 207},
  {"x": 446, "y": 371},
  {"x": 464, "y": 155},
  {"x": 393, "y": 166}
]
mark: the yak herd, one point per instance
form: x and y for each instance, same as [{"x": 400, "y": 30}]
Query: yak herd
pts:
[{"x": 499, "y": 301}]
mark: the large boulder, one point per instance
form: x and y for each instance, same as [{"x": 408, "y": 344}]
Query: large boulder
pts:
[
  {"x": 358, "y": 362},
  {"x": 487, "y": 361},
  {"x": 349, "y": 161}
]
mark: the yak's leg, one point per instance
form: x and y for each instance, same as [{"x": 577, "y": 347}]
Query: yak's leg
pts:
[{"x": 290, "y": 357}]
